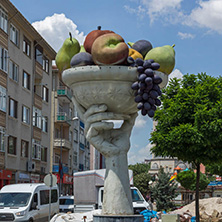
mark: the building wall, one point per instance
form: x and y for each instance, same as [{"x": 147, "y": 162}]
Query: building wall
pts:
[{"x": 14, "y": 169}]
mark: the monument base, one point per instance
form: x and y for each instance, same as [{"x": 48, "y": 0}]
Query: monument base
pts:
[{"x": 118, "y": 218}]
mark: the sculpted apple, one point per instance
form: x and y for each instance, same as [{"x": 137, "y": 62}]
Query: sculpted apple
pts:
[
  {"x": 92, "y": 36},
  {"x": 109, "y": 49}
]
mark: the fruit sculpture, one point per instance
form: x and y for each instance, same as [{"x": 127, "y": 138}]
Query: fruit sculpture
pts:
[{"x": 106, "y": 48}]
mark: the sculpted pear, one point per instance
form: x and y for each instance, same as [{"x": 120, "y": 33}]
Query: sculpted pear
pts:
[
  {"x": 165, "y": 56},
  {"x": 69, "y": 48}
]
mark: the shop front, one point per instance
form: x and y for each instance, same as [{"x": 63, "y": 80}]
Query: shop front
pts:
[
  {"x": 66, "y": 183},
  {"x": 5, "y": 177},
  {"x": 23, "y": 177}
]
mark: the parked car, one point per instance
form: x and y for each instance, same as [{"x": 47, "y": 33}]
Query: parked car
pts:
[
  {"x": 27, "y": 202},
  {"x": 66, "y": 204}
]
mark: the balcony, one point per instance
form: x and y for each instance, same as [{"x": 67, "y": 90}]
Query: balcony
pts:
[
  {"x": 64, "y": 93},
  {"x": 37, "y": 101},
  {"x": 64, "y": 143},
  {"x": 38, "y": 71},
  {"x": 63, "y": 118},
  {"x": 3, "y": 39}
]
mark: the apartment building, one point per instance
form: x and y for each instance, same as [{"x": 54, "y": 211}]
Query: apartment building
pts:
[
  {"x": 25, "y": 102},
  {"x": 70, "y": 146}
]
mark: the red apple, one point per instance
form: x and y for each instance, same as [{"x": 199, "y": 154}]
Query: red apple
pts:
[
  {"x": 109, "y": 49},
  {"x": 90, "y": 38}
]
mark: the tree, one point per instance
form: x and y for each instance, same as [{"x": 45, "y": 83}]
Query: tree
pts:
[
  {"x": 187, "y": 179},
  {"x": 190, "y": 122},
  {"x": 214, "y": 169},
  {"x": 163, "y": 191},
  {"x": 141, "y": 177}
]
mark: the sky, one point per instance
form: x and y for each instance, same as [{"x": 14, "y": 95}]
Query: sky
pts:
[{"x": 194, "y": 26}]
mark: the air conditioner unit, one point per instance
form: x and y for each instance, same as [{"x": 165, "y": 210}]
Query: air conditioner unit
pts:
[{"x": 30, "y": 166}]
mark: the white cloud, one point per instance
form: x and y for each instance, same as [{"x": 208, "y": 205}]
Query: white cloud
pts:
[
  {"x": 140, "y": 121},
  {"x": 156, "y": 9},
  {"x": 140, "y": 155},
  {"x": 185, "y": 35},
  {"x": 55, "y": 29},
  {"x": 207, "y": 15},
  {"x": 176, "y": 74},
  {"x": 160, "y": 8}
]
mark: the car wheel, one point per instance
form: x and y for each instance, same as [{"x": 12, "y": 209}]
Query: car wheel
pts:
[{"x": 30, "y": 220}]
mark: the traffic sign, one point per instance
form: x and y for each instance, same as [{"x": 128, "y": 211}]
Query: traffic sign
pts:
[{"x": 50, "y": 180}]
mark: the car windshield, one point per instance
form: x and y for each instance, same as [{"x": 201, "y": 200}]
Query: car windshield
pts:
[
  {"x": 14, "y": 199},
  {"x": 66, "y": 201},
  {"x": 136, "y": 196}
]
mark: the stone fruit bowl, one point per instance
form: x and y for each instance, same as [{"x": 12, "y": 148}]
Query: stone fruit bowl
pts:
[{"x": 110, "y": 85}]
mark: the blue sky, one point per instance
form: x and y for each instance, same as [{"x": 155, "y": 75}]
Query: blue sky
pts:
[{"x": 195, "y": 27}]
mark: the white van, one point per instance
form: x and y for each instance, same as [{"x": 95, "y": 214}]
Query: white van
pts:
[
  {"x": 27, "y": 202},
  {"x": 66, "y": 204}
]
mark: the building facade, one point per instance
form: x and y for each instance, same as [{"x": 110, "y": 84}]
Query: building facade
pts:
[
  {"x": 25, "y": 102},
  {"x": 70, "y": 147}
]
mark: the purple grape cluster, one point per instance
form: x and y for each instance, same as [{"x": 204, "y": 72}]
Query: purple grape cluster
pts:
[{"x": 147, "y": 85}]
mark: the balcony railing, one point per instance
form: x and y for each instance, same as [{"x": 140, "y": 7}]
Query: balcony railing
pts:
[
  {"x": 64, "y": 143},
  {"x": 63, "y": 118},
  {"x": 64, "y": 91}
]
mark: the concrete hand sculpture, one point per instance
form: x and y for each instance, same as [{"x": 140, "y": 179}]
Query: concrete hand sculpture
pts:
[{"x": 114, "y": 145}]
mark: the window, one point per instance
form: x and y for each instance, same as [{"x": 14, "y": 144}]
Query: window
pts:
[
  {"x": 39, "y": 54},
  {"x": 70, "y": 135},
  {"x": 27, "y": 46},
  {"x": 44, "y": 196},
  {"x": 75, "y": 136},
  {"x": 24, "y": 148},
  {"x": 2, "y": 98},
  {"x": 12, "y": 145},
  {"x": 45, "y": 124},
  {"x": 3, "y": 19},
  {"x": 26, "y": 80},
  {"x": 13, "y": 71},
  {"x": 2, "y": 139},
  {"x": 45, "y": 94},
  {"x": 36, "y": 149},
  {"x": 155, "y": 166},
  {"x": 37, "y": 117},
  {"x": 13, "y": 108},
  {"x": 14, "y": 34},
  {"x": 4, "y": 59},
  {"x": 25, "y": 115},
  {"x": 44, "y": 154},
  {"x": 45, "y": 64},
  {"x": 57, "y": 158}
]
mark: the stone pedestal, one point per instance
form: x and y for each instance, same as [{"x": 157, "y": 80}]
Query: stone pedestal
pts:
[{"x": 118, "y": 218}]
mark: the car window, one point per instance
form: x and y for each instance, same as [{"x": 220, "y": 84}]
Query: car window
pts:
[{"x": 66, "y": 201}]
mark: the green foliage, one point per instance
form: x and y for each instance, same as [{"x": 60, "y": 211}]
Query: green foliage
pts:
[
  {"x": 141, "y": 182},
  {"x": 214, "y": 169},
  {"x": 190, "y": 120},
  {"x": 204, "y": 181},
  {"x": 163, "y": 191},
  {"x": 141, "y": 177},
  {"x": 139, "y": 168},
  {"x": 187, "y": 179}
]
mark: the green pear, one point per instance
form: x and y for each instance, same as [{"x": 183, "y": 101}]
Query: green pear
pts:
[
  {"x": 165, "y": 56},
  {"x": 69, "y": 48}
]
